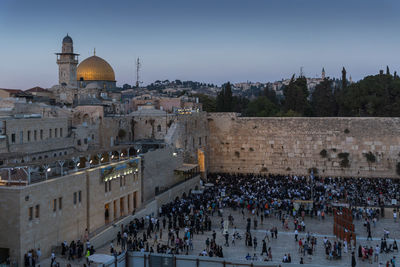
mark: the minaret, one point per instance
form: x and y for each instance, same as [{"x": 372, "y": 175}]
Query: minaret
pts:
[
  {"x": 323, "y": 74},
  {"x": 67, "y": 61}
]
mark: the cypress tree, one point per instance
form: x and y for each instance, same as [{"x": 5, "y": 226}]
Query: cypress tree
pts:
[{"x": 344, "y": 80}]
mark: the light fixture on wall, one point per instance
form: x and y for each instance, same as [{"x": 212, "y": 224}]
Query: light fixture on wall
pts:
[{"x": 48, "y": 169}]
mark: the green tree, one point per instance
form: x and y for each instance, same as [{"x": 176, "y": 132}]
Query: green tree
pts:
[
  {"x": 224, "y": 98},
  {"x": 322, "y": 100},
  {"x": 209, "y": 103},
  {"x": 296, "y": 94},
  {"x": 377, "y": 95},
  {"x": 271, "y": 95},
  {"x": 261, "y": 107},
  {"x": 344, "y": 79}
]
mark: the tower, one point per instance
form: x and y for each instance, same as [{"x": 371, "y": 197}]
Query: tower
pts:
[
  {"x": 323, "y": 74},
  {"x": 67, "y": 61},
  {"x": 138, "y": 65}
]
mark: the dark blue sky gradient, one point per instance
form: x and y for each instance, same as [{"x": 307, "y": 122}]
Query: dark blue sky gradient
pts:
[{"x": 209, "y": 40}]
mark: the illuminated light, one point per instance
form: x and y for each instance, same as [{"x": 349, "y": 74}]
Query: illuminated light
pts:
[
  {"x": 49, "y": 169},
  {"x": 122, "y": 154},
  {"x": 91, "y": 161},
  {"x": 79, "y": 164},
  {"x": 136, "y": 169},
  {"x": 174, "y": 154},
  {"x": 112, "y": 156},
  {"x": 101, "y": 159}
]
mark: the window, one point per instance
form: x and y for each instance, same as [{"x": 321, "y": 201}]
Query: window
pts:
[
  {"x": 124, "y": 180},
  {"x": 60, "y": 203},
  {"x": 193, "y": 142},
  {"x": 41, "y": 134},
  {"x": 13, "y": 138},
  {"x": 79, "y": 142},
  {"x": 74, "y": 198},
  {"x": 55, "y": 132},
  {"x": 105, "y": 187},
  {"x": 205, "y": 139},
  {"x": 199, "y": 141},
  {"x": 109, "y": 185},
  {"x": 21, "y": 137},
  {"x": 29, "y": 136},
  {"x": 92, "y": 137},
  {"x": 50, "y": 133},
  {"x": 35, "y": 135},
  {"x": 80, "y": 196},
  {"x": 54, "y": 205},
  {"x": 185, "y": 144},
  {"x": 120, "y": 182},
  {"x": 158, "y": 128},
  {"x": 85, "y": 141},
  {"x": 37, "y": 211},
  {"x": 30, "y": 213},
  {"x": 61, "y": 132}
]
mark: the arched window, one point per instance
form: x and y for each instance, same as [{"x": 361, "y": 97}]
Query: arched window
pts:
[{"x": 159, "y": 128}]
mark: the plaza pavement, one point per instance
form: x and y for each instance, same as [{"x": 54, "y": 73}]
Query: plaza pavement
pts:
[{"x": 284, "y": 244}]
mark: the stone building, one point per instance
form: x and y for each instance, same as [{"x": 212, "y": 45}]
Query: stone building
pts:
[
  {"x": 70, "y": 207},
  {"x": 29, "y": 137}
]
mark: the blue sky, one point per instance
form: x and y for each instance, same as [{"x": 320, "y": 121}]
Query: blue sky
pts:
[{"x": 208, "y": 40}]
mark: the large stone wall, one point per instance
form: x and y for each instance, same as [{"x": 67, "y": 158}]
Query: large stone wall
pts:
[{"x": 293, "y": 145}]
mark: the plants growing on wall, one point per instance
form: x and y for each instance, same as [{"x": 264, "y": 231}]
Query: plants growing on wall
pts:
[
  {"x": 398, "y": 168},
  {"x": 237, "y": 154},
  {"x": 344, "y": 159},
  {"x": 370, "y": 157},
  {"x": 323, "y": 153},
  {"x": 346, "y": 131}
]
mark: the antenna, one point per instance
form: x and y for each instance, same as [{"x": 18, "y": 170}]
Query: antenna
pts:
[
  {"x": 138, "y": 66},
  {"x": 301, "y": 71}
]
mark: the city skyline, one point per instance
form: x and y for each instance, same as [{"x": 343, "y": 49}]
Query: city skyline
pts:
[{"x": 207, "y": 42}]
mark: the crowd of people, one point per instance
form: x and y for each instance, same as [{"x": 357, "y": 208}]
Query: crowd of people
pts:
[{"x": 257, "y": 197}]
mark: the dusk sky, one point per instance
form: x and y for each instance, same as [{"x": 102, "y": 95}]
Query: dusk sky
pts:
[{"x": 211, "y": 41}]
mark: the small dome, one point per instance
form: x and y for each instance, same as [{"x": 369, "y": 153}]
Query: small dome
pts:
[
  {"x": 95, "y": 68},
  {"x": 67, "y": 39}
]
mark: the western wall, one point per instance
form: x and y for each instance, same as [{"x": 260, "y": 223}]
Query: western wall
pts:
[{"x": 329, "y": 146}]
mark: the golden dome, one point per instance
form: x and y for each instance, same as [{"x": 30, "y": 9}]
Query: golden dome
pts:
[{"x": 95, "y": 68}]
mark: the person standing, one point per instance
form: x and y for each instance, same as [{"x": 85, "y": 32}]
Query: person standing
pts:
[
  {"x": 264, "y": 248},
  {"x": 38, "y": 255},
  {"x": 376, "y": 254},
  {"x": 353, "y": 260}
]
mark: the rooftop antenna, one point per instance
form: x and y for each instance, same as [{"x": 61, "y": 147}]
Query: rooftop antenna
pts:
[
  {"x": 301, "y": 71},
  {"x": 138, "y": 66}
]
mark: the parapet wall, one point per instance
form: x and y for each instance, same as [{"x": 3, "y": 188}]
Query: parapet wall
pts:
[{"x": 294, "y": 145}]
